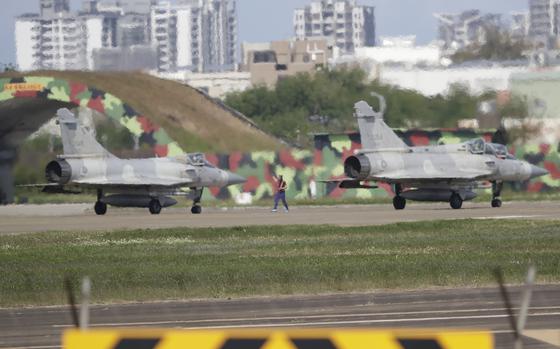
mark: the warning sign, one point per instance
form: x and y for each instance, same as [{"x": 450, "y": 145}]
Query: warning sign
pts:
[
  {"x": 24, "y": 86},
  {"x": 277, "y": 339}
]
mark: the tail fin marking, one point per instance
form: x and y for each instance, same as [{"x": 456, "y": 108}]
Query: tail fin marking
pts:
[
  {"x": 374, "y": 132},
  {"x": 78, "y": 140}
]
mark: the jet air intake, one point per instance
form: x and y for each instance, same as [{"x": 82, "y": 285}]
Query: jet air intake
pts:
[
  {"x": 58, "y": 171},
  {"x": 357, "y": 167}
]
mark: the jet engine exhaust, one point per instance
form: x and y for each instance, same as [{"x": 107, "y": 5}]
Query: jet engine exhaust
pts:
[
  {"x": 357, "y": 167},
  {"x": 58, "y": 171}
]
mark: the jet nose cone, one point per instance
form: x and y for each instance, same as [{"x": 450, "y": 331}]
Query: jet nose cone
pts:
[
  {"x": 233, "y": 179},
  {"x": 537, "y": 171}
]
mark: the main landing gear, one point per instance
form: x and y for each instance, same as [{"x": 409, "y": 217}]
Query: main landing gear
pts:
[
  {"x": 456, "y": 201},
  {"x": 154, "y": 206},
  {"x": 399, "y": 203},
  {"x": 496, "y": 192},
  {"x": 100, "y": 207},
  {"x": 196, "y": 208}
]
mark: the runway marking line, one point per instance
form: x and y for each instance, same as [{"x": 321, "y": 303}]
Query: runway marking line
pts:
[
  {"x": 371, "y": 321},
  {"x": 295, "y": 318}
]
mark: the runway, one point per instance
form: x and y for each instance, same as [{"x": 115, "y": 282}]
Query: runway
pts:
[
  {"x": 80, "y": 217},
  {"x": 443, "y": 308}
]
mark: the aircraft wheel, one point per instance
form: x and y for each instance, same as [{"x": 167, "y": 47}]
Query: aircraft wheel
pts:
[
  {"x": 456, "y": 201},
  {"x": 196, "y": 209},
  {"x": 100, "y": 208},
  {"x": 155, "y": 206},
  {"x": 399, "y": 203},
  {"x": 496, "y": 203}
]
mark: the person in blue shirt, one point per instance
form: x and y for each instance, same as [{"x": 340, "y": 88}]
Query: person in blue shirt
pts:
[{"x": 281, "y": 187}]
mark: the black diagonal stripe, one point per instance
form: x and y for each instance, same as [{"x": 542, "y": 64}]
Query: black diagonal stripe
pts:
[
  {"x": 137, "y": 343},
  {"x": 316, "y": 343},
  {"x": 243, "y": 343},
  {"x": 419, "y": 343}
]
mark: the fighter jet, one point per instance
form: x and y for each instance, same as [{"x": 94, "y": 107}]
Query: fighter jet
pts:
[
  {"x": 146, "y": 183},
  {"x": 448, "y": 173}
]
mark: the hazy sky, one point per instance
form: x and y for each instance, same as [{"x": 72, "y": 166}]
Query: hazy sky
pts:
[{"x": 264, "y": 20}]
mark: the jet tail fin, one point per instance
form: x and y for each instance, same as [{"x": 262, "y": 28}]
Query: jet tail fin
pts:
[
  {"x": 374, "y": 132},
  {"x": 78, "y": 140}
]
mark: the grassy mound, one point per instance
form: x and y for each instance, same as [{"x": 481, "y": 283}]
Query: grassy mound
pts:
[{"x": 195, "y": 121}]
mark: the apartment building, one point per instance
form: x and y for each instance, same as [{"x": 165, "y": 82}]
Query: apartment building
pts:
[
  {"x": 58, "y": 42},
  {"x": 186, "y": 35},
  {"x": 346, "y": 23},
  {"x": 544, "y": 17},
  {"x": 459, "y": 30},
  {"x": 195, "y": 35}
]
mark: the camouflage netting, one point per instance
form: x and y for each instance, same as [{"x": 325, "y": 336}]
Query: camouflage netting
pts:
[
  {"x": 300, "y": 168},
  {"x": 102, "y": 102}
]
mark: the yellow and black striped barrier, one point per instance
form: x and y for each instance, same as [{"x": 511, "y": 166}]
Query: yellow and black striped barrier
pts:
[{"x": 277, "y": 339}]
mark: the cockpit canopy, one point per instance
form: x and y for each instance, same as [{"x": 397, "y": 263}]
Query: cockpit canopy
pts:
[
  {"x": 197, "y": 159},
  {"x": 479, "y": 146}
]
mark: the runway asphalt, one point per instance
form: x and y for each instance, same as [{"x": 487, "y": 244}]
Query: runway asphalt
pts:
[
  {"x": 80, "y": 217},
  {"x": 443, "y": 308}
]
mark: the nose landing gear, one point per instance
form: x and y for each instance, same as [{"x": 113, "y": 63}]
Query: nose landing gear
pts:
[
  {"x": 196, "y": 208},
  {"x": 496, "y": 192}
]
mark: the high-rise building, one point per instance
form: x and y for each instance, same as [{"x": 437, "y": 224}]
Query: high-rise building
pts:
[
  {"x": 60, "y": 42},
  {"x": 459, "y": 30},
  {"x": 191, "y": 35},
  {"x": 544, "y": 18},
  {"x": 344, "y": 22},
  {"x": 195, "y": 35}
]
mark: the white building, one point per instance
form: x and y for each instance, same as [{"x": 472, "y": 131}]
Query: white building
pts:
[
  {"x": 58, "y": 42},
  {"x": 216, "y": 85},
  {"x": 195, "y": 35},
  {"x": 347, "y": 24},
  {"x": 401, "y": 51},
  {"x": 544, "y": 20},
  {"x": 431, "y": 82}
]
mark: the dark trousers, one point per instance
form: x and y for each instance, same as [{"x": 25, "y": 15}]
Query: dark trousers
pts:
[{"x": 281, "y": 195}]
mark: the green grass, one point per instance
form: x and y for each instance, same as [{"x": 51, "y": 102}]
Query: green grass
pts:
[{"x": 206, "y": 263}]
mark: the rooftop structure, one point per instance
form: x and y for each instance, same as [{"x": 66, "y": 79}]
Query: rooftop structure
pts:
[{"x": 269, "y": 62}]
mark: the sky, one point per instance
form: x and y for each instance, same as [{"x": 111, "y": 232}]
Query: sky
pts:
[{"x": 265, "y": 20}]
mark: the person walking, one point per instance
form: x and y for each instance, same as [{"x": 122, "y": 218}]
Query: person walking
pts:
[{"x": 281, "y": 187}]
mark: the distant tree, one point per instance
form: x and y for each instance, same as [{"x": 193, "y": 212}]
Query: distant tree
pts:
[
  {"x": 290, "y": 109},
  {"x": 499, "y": 45}
]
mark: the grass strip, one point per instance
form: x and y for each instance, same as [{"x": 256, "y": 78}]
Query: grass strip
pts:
[{"x": 245, "y": 261}]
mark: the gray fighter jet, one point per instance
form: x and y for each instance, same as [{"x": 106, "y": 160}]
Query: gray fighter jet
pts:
[
  {"x": 128, "y": 182},
  {"x": 448, "y": 173}
]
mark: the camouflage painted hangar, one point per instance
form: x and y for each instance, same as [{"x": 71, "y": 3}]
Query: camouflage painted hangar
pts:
[{"x": 27, "y": 103}]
